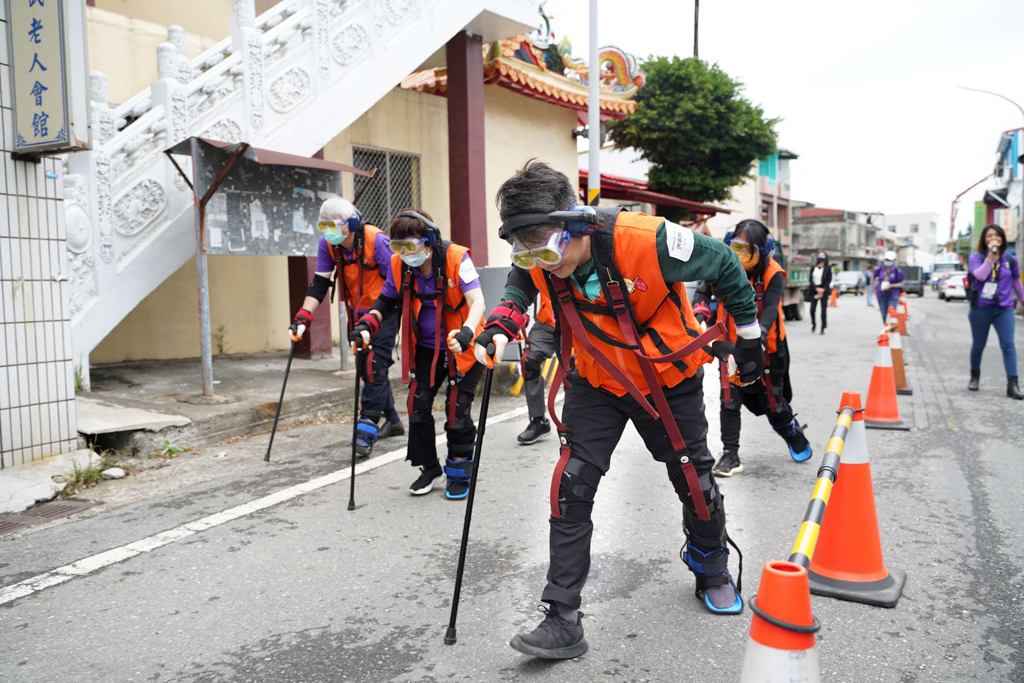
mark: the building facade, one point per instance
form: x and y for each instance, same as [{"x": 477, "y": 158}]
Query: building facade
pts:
[
  {"x": 919, "y": 229},
  {"x": 1004, "y": 199},
  {"x": 854, "y": 240}
]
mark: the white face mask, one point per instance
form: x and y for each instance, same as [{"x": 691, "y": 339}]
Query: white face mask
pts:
[{"x": 414, "y": 260}]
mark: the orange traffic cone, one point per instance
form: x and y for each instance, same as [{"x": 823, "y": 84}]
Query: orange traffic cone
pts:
[
  {"x": 847, "y": 562},
  {"x": 782, "y": 644},
  {"x": 901, "y": 314},
  {"x": 833, "y": 299},
  {"x": 899, "y": 370},
  {"x": 882, "y": 411}
]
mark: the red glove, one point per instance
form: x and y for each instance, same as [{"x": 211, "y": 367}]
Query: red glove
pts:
[{"x": 302, "y": 322}]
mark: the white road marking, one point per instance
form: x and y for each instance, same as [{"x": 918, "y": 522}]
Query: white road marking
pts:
[{"x": 92, "y": 563}]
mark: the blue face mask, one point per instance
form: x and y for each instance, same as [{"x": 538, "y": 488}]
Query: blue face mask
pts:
[
  {"x": 888, "y": 264},
  {"x": 414, "y": 260},
  {"x": 334, "y": 236}
]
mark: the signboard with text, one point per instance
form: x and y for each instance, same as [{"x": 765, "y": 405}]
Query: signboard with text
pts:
[{"x": 40, "y": 43}]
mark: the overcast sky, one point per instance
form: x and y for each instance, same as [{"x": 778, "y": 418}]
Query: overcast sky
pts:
[{"x": 867, "y": 90}]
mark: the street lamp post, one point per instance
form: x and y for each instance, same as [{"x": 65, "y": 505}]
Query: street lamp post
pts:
[{"x": 1020, "y": 205}]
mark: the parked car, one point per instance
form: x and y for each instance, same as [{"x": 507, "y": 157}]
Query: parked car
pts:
[
  {"x": 954, "y": 286},
  {"x": 850, "y": 281}
]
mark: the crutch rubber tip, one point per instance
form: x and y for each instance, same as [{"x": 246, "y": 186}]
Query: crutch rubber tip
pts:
[
  {"x": 450, "y": 637},
  {"x": 351, "y": 505}
]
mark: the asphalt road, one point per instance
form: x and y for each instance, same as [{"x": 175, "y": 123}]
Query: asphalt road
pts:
[{"x": 304, "y": 590}]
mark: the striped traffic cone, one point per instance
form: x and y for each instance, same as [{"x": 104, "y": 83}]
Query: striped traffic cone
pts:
[
  {"x": 901, "y": 314},
  {"x": 833, "y": 299},
  {"x": 882, "y": 411},
  {"x": 899, "y": 369},
  {"x": 781, "y": 648},
  {"x": 847, "y": 561}
]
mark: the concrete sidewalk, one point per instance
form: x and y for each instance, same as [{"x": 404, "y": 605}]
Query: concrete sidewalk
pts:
[{"x": 247, "y": 391}]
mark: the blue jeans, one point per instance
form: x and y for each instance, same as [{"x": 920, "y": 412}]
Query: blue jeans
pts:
[
  {"x": 1001, "y": 319},
  {"x": 887, "y": 299}
]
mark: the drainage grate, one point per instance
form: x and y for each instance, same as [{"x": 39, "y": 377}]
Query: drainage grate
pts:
[{"x": 40, "y": 514}]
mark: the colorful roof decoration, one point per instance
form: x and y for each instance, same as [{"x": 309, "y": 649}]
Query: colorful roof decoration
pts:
[
  {"x": 520, "y": 65},
  {"x": 617, "y": 187}
]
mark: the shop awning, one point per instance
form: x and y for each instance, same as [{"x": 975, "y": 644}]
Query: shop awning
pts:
[{"x": 617, "y": 187}]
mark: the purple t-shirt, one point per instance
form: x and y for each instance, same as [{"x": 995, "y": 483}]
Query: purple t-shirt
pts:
[
  {"x": 892, "y": 275},
  {"x": 381, "y": 256},
  {"x": 428, "y": 311},
  {"x": 1007, "y": 274}
]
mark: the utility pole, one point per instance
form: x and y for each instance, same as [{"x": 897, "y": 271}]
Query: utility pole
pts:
[
  {"x": 594, "y": 114},
  {"x": 696, "y": 18}
]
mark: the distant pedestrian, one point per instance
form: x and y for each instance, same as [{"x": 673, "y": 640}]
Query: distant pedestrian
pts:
[
  {"x": 995, "y": 279},
  {"x": 540, "y": 345},
  {"x": 819, "y": 289},
  {"x": 870, "y": 285},
  {"x": 888, "y": 279}
]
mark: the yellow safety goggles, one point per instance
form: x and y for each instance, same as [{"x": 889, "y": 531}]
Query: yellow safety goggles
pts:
[
  {"x": 550, "y": 253},
  {"x": 409, "y": 246},
  {"x": 324, "y": 226},
  {"x": 740, "y": 247}
]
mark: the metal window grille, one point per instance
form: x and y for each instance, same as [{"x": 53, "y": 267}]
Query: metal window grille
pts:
[{"x": 396, "y": 186}]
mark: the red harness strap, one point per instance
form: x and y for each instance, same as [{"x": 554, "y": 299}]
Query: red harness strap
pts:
[
  {"x": 408, "y": 323},
  {"x": 766, "y": 378},
  {"x": 646, "y": 363}
]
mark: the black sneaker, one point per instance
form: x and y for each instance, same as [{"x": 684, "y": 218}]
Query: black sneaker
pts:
[
  {"x": 728, "y": 465},
  {"x": 555, "y": 638},
  {"x": 391, "y": 429},
  {"x": 425, "y": 482},
  {"x": 538, "y": 428}
]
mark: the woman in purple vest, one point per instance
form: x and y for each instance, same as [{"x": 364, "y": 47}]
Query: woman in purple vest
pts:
[{"x": 995, "y": 279}]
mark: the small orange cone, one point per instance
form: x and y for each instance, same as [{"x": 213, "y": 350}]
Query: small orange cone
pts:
[
  {"x": 782, "y": 644},
  {"x": 899, "y": 370},
  {"x": 847, "y": 562},
  {"x": 901, "y": 314},
  {"x": 833, "y": 299},
  {"x": 882, "y": 411}
]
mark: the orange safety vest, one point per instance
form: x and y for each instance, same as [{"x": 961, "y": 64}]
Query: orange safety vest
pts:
[
  {"x": 544, "y": 313},
  {"x": 777, "y": 331},
  {"x": 453, "y": 313},
  {"x": 660, "y": 310},
  {"x": 350, "y": 271}
]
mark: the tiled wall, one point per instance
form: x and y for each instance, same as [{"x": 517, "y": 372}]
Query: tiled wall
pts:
[{"x": 37, "y": 385}]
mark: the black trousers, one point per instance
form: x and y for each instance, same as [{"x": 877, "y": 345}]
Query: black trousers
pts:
[
  {"x": 376, "y": 398},
  {"x": 824, "y": 307},
  {"x": 595, "y": 419},
  {"x": 541, "y": 346},
  {"x": 755, "y": 398},
  {"x": 461, "y": 433}
]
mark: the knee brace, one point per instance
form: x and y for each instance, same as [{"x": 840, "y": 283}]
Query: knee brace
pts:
[
  {"x": 577, "y": 489},
  {"x": 463, "y": 415},
  {"x": 708, "y": 485},
  {"x": 532, "y": 365},
  {"x": 421, "y": 419}
]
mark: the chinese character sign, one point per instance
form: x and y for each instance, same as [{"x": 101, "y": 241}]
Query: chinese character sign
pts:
[{"x": 36, "y": 36}]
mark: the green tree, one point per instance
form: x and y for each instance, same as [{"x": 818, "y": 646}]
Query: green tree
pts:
[{"x": 695, "y": 128}]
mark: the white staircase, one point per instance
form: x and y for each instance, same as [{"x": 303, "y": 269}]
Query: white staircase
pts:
[{"x": 290, "y": 79}]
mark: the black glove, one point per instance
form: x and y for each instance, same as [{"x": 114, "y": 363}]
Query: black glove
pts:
[
  {"x": 369, "y": 324},
  {"x": 749, "y": 357},
  {"x": 465, "y": 338},
  {"x": 764, "y": 336},
  {"x": 302, "y": 319}
]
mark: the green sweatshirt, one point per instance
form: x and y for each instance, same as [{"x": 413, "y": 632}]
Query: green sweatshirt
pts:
[{"x": 709, "y": 260}]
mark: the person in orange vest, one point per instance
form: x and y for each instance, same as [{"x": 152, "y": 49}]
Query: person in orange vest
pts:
[
  {"x": 615, "y": 280},
  {"x": 772, "y": 393},
  {"x": 359, "y": 256},
  {"x": 435, "y": 290},
  {"x": 540, "y": 345}
]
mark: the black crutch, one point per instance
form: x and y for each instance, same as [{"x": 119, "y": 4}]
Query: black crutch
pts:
[
  {"x": 355, "y": 430},
  {"x": 450, "y": 636},
  {"x": 277, "y": 415}
]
